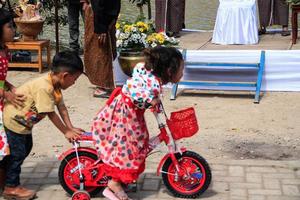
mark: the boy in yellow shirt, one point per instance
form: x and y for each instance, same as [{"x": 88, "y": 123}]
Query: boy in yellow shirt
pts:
[{"x": 42, "y": 96}]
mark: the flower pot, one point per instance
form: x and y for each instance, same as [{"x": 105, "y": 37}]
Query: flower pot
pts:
[
  {"x": 129, "y": 59},
  {"x": 29, "y": 29}
]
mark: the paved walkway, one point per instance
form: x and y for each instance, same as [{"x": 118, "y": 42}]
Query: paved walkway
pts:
[{"x": 232, "y": 179}]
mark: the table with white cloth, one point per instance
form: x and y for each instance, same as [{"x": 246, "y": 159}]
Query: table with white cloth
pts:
[{"x": 236, "y": 23}]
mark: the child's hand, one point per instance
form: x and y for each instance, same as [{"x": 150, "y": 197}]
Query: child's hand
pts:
[
  {"x": 78, "y": 130},
  {"x": 15, "y": 99},
  {"x": 13, "y": 89},
  {"x": 71, "y": 135},
  {"x": 155, "y": 102}
]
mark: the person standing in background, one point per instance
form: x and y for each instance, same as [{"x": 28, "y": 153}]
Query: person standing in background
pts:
[
  {"x": 75, "y": 8},
  {"x": 100, "y": 44},
  {"x": 274, "y": 12},
  {"x": 169, "y": 16}
]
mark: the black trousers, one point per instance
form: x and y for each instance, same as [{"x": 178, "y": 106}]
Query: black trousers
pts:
[{"x": 74, "y": 11}]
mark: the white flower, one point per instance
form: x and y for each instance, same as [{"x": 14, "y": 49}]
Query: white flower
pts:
[
  {"x": 119, "y": 43},
  {"x": 122, "y": 36},
  {"x": 153, "y": 45},
  {"x": 134, "y": 29},
  {"x": 118, "y": 32},
  {"x": 144, "y": 36},
  {"x": 135, "y": 36}
]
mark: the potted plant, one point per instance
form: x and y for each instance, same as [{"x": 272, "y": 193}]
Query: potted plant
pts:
[
  {"x": 133, "y": 38},
  {"x": 30, "y": 22}
]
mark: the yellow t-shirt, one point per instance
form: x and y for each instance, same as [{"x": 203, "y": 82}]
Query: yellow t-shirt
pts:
[{"x": 41, "y": 98}]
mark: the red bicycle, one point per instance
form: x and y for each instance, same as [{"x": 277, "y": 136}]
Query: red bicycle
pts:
[{"x": 185, "y": 174}]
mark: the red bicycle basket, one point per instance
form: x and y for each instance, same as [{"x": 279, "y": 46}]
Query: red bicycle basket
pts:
[{"x": 183, "y": 123}]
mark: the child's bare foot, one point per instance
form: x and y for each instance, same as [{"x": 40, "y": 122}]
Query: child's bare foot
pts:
[{"x": 116, "y": 187}]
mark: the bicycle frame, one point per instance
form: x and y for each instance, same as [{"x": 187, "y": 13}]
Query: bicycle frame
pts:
[{"x": 164, "y": 136}]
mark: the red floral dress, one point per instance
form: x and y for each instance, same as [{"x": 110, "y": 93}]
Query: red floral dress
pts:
[
  {"x": 120, "y": 131},
  {"x": 4, "y": 149}
]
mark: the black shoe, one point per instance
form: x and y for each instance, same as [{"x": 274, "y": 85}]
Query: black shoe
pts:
[
  {"x": 262, "y": 31},
  {"x": 80, "y": 52},
  {"x": 285, "y": 33}
]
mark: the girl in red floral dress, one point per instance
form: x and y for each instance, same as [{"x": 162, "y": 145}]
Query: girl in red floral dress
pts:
[
  {"x": 120, "y": 131},
  {"x": 6, "y": 89}
]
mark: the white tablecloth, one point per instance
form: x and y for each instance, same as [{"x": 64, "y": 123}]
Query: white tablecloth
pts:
[{"x": 236, "y": 23}]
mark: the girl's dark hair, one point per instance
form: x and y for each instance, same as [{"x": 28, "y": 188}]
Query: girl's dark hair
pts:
[
  {"x": 67, "y": 61},
  {"x": 163, "y": 61},
  {"x": 5, "y": 17}
]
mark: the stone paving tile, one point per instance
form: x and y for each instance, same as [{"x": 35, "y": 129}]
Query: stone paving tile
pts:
[
  {"x": 230, "y": 179},
  {"x": 220, "y": 187},
  {"x": 220, "y": 173},
  {"x": 42, "y": 169},
  {"x": 29, "y": 164},
  {"x": 279, "y": 175},
  {"x": 291, "y": 190},
  {"x": 236, "y": 171},
  {"x": 291, "y": 181},
  {"x": 27, "y": 169},
  {"x": 262, "y": 169},
  {"x": 256, "y": 197},
  {"x": 44, "y": 194},
  {"x": 151, "y": 184},
  {"x": 152, "y": 176},
  {"x": 236, "y": 192},
  {"x": 264, "y": 192},
  {"x": 254, "y": 177},
  {"x": 51, "y": 187},
  {"x": 53, "y": 173},
  {"x": 246, "y": 185},
  {"x": 34, "y": 175},
  {"x": 218, "y": 167},
  {"x": 271, "y": 183},
  {"x": 282, "y": 198}
]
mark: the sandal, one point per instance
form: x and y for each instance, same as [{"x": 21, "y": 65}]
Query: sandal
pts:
[
  {"x": 122, "y": 195},
  {"x": 109, "y": 194},
  {"x": 98, "y": 93}
]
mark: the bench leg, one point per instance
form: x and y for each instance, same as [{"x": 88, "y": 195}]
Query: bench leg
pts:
[
  {"x": 294, "y": 27},
  {"x": 40, "y": 60},
  {"x": 174, "y": 91},
  {"x": 48, "y": 56},
  {"x": 260, "y": 76}
]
